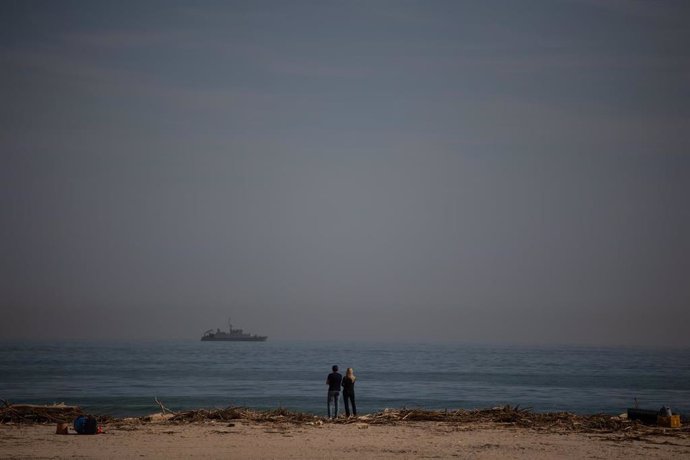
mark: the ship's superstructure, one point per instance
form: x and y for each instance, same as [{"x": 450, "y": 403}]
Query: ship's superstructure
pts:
[{"x": 233, "y": 335}]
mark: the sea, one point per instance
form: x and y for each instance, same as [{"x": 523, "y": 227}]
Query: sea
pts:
[{"x": 124, "y": 378}]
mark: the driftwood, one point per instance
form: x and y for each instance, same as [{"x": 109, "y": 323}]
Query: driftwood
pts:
[
  {"x": 497, "y": 417},
  {"x": 507, "y": 416},
  {"x": 242, "y": 413},
  {"x": 163, "y": 408},
  {"x": 33, "y": 413},
  {"x": 504, "y": 416}
]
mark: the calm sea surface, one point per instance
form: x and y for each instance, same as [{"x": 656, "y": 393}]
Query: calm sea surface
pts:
[{"x": 122, "y": 379}]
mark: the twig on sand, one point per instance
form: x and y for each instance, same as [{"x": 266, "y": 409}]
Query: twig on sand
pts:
[{"x": 163, "y": 408}]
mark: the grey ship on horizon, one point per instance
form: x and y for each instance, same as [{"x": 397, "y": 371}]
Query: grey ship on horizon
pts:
[{"x": 233, "y": 335}]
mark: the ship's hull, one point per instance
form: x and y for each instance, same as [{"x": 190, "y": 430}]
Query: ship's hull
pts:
[{"x": 234, "y": 339}]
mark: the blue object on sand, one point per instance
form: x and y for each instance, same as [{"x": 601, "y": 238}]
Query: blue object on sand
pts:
[{"x": 85, "y": 424}]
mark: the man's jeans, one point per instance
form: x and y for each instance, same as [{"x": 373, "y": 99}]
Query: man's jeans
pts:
[{"x": 333, "y": 396}]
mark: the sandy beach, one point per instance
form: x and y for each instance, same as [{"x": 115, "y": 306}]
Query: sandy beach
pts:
[{"x": 253, "y": 440}]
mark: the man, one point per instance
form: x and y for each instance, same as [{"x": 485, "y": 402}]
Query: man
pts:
[{"x": 334, "y": 380}]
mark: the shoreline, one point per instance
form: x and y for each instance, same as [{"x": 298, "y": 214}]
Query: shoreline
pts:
[
  {"x": 394, "y": 433},
  {"x": 507, "y": 415}
]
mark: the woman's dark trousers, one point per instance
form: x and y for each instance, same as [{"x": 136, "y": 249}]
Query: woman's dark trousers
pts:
[{"x": 347, "y": 399}]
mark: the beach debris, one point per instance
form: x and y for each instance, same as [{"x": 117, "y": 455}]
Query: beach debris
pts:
[
  {"x": 158, "y": 417},
  {"x": 497, "y": 416},
  {"x": 242, "y": 413},
  {"x": 34, "y": 413},
  {"x": 48, "y": 413},
  {"x": 62, "y": 428},
  {"x": 163, "y": 408},
  {"x": 504, "y": 416},
  {"x": 460, "y": 419}
]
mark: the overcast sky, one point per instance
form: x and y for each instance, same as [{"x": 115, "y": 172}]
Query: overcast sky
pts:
[{"x": 492, "y": 171}]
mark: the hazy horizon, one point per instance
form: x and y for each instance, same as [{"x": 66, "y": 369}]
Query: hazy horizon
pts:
[{"x": 481, "y": 172}]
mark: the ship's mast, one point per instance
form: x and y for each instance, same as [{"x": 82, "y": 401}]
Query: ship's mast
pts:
[{"x": 229, "y": 326}]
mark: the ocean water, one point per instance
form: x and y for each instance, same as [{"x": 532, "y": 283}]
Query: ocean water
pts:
[{"x": 122, "y": 379}]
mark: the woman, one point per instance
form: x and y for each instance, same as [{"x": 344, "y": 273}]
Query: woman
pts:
[{"x": 349, "y": 392}]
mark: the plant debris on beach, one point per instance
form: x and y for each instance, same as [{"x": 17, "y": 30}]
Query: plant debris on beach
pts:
[
  {"x": 505, "y": 416},
  {"x": 34, "y": 413},
  {"x": 498, "y": 416}
]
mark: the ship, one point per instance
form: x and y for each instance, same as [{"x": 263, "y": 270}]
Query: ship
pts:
[{"x": 233, "y": 335}]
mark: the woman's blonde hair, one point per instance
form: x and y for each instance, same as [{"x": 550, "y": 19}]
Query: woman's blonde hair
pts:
[{"x": 350, "y": 374}]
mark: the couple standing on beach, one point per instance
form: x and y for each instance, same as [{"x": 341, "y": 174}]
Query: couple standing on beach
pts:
[{"x": 334, "y": 382}]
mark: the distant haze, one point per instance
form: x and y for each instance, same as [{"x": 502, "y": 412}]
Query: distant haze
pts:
[{"x": 493, "y": 171}]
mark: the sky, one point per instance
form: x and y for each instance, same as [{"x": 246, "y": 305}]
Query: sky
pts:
[{"x": 489, "y": 171}]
